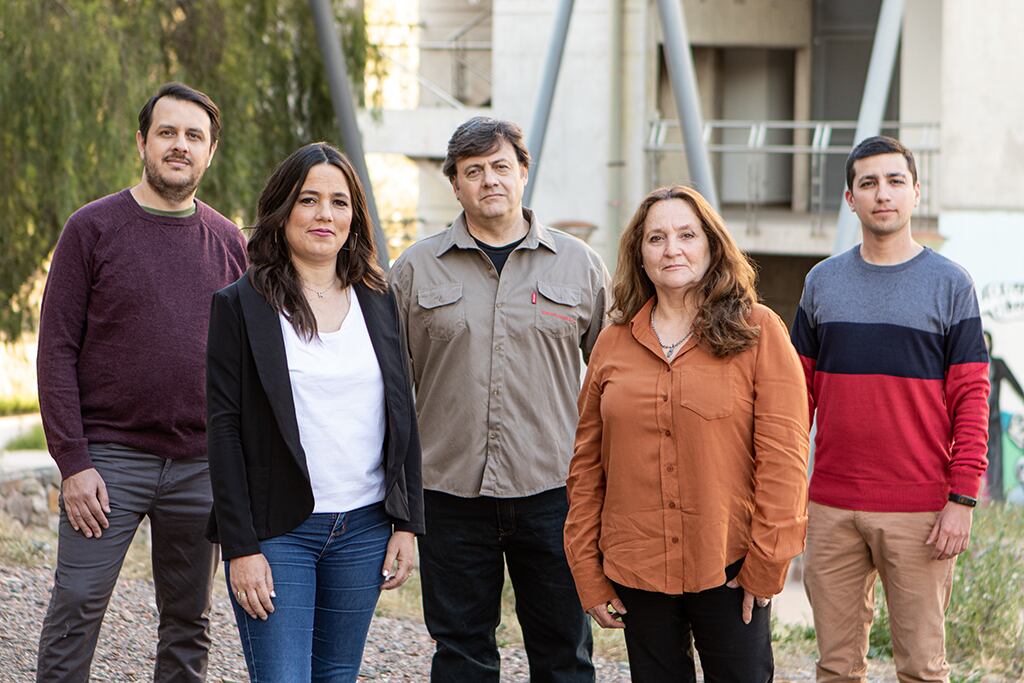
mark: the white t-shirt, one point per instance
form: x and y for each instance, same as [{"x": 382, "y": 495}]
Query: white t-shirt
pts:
[{"x": 338, "y": 391}]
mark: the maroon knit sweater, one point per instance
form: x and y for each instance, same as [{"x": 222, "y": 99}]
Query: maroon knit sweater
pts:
[{"x": 122, "y": 335}]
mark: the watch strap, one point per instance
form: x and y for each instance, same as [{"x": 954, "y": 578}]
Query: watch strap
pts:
[{"x": 963, "y": 500}]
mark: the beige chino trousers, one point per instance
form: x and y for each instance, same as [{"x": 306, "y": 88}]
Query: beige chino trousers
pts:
[{"x": 846, "y": 550}]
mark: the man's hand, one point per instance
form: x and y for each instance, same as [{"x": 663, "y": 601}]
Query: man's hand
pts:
[
  {"x": 253, "y": 585},
  {"x": 609, "y": 618},
  {"x": 401, "y": 549},
  {"x": 952, "y": 531},
  {"x": 85, "y": 502},
  {"x": 748, "y": 601}
]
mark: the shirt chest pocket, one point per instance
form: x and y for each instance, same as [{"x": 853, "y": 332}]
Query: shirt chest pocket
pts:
[
  {"x": 443, "y": 310},
  {"x": 558, "y": 309},
  {"x": 707, "y": 390}
]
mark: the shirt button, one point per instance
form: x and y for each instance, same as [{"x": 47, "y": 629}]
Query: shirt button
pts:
[
  {"x": 496, "y": 391},
  {"x": 497, "y": 305},
  {"x": 493, "y": 435},
  {"x": 668, "y": 432},
  {"x": 675, "y": 539},
  {"x": 664, "y": 397},
  {"x": 497, "y": 347},
  {"x": 670, "y": 467},
  {"x": 672, "y": 504}
]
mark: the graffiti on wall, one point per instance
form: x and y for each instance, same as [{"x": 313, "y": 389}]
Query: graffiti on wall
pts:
[
  {"x": 1013, "y": 458},
  {"x": 989, "y": 245},
  {"x": 1003, "y": 302}
]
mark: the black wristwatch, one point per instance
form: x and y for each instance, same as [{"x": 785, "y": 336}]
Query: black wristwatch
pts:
[{"x": 963, "y": 500}]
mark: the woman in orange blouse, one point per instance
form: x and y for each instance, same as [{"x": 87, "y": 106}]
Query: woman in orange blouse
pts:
[{"x": 687, "y": 489}]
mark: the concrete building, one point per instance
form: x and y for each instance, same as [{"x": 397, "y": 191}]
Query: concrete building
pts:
[{"x": 780, "y": 83}]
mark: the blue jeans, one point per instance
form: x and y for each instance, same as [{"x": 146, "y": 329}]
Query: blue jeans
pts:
[
  {"x": 327, "y": 576},
  {"x": 462, "y": 568}
]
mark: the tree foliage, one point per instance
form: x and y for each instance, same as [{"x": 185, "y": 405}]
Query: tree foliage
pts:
[{"x": 76, "y": 72}]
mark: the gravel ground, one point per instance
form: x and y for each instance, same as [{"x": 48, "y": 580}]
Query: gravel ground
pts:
[{"x": 397, "y": 650}]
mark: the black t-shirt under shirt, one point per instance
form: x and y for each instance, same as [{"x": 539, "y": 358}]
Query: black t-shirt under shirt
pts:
[{"x": 498, "y": 255}]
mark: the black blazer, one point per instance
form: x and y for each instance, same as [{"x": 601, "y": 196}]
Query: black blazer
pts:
[{"x": 257, "y": 466}]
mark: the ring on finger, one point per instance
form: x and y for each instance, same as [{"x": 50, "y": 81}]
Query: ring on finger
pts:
[{"x": 240, "y": 595}]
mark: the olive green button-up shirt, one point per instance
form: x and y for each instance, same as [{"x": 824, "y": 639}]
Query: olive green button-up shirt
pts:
[{"x": 496, "y": 360}]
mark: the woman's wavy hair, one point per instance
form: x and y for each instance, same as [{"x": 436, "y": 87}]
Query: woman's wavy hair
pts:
[
  {"x": 271, "y": 271},
  {"x": 725, "y": 295}
]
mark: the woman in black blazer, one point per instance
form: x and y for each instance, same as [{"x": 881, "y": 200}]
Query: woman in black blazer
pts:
[{"x": 313, "y": 447}]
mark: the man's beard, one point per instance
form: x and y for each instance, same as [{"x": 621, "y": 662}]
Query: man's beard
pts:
[{"x": 173, "y": 192}]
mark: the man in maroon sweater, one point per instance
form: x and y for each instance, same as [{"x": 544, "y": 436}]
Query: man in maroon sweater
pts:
[{"x": 122, "y": 341}]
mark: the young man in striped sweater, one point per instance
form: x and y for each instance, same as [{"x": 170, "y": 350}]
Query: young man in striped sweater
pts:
[{"x": 890, "y": 337}]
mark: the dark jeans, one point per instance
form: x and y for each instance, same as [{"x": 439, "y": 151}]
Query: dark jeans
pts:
[
  {"x": 661, "y": 630},
  {"x": 462, "y": 565},
  {"x": 175, "y": 495},
  {"x": 327, "y": 577}
]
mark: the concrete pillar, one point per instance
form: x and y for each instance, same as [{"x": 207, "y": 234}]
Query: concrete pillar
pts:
[
  {"x": 872, "y": 105},
  {"x": 801, "y": 112}
]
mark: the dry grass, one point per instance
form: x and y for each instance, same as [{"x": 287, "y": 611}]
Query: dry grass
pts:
[
  {"x": 34, "y": 547},
  {"x": 406, "y": 603},
  {"x": 25, "y": 547}
]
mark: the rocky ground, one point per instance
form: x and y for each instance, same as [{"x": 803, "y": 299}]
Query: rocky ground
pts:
[{"x": 397, "y": 649}]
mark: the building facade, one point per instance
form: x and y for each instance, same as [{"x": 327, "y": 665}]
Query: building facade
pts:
[{"x": 780, "y": 84}]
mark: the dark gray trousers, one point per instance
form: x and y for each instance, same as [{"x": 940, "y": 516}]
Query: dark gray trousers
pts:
[{"x": 175, "y": 495}]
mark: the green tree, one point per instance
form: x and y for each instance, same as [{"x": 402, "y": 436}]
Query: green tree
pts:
[{"x": 76, "y": 72}]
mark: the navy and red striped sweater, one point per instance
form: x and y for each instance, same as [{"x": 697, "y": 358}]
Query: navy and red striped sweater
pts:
[{"x": 897, "y": 370}]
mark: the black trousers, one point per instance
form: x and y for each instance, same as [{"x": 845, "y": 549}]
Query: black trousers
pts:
[
  {"x": 661, "y": 631},
  {"x": 462, "y": 568}
]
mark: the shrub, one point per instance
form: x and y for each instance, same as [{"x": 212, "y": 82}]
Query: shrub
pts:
[
  {"x": 32, "y": 440},
  {"x": 18, "y": 405},
  {"x": 985, "y": 619},
  {"x": 880, "y": 638}
]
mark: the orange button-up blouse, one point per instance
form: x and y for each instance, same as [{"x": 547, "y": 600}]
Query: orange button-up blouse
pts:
[{"x": 682, "y": 468}]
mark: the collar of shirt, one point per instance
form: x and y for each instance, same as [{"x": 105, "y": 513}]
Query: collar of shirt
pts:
[
  {"x": 458, "y": 236},
  {"x": 640, "y": 327}
]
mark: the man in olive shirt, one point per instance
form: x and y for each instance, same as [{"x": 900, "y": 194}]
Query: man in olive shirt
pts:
[{"x": 496, "y": 310}]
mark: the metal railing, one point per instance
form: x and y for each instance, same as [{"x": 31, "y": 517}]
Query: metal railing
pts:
[
  {"x": 462, "y": 68},
  {"x": 438, "y": 91},
  {"x": 810, "y": 143}
]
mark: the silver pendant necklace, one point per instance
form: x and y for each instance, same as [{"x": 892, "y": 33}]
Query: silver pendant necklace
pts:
[
  {"x": 319, "y": 294},
  {"x": 669, "y": 349}
]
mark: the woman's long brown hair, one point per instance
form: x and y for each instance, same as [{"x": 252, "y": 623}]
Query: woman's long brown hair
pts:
[
  {"x": 725, "y": 295},
  {"x": 271, "y": 271}
]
